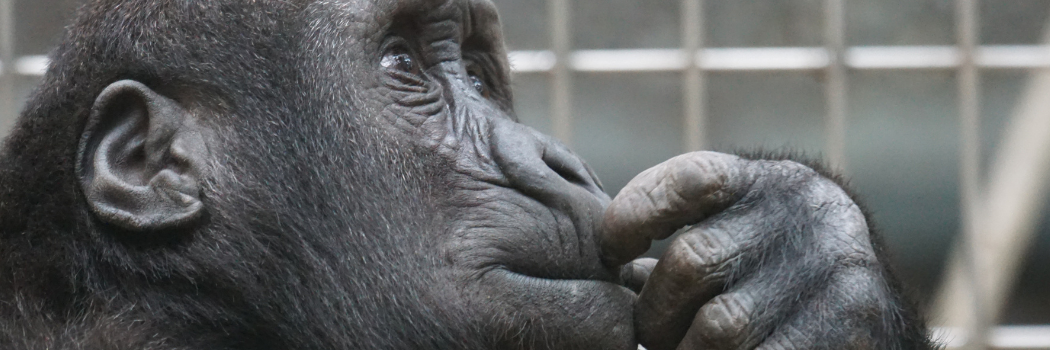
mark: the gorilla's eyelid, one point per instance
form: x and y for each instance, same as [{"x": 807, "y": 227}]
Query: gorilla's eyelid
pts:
[
  {"x": 479, "y": 75},
  {"x": 480, "y": 60},
  {"x": 483, "y": 65},
  {"x": 395, "y": 44}
]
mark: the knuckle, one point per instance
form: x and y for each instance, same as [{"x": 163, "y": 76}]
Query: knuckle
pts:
[
  {"x": 838, "y": 221},
  {"x": 699, "y": 174},
  {"x": 696, "y": 258},
  {"x": 724, "y": 320},
  {"x": 787, "y": 176},
  {"x": 782, "y": 170},
  {"x": 843, "y": 231},
  {"x": 782, "y": 343},
  {"x": 792, "y": 337},
  {"x": 706, "y": 177},
  {"x": 859, "y": 291}
]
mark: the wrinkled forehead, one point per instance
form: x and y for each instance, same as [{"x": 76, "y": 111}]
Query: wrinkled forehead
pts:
[
  {"x": 472, "y": 17},
  {"x": 341, "y": 37}
]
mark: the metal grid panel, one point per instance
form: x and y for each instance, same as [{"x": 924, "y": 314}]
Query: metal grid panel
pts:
[{"x": 692, "y": 60}]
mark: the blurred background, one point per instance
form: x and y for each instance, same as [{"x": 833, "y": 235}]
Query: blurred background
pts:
[{"x": 938, "y": 112}]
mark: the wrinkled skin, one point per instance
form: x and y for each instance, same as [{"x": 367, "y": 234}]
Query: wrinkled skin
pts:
[
  {"x": 350, "y": 175},
  {"x": 776, "y": 256}
]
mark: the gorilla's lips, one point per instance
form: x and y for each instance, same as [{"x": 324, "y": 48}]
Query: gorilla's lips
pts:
[
  {"x": 552, "y": 286},
  {"x": 519, "y": 234}
]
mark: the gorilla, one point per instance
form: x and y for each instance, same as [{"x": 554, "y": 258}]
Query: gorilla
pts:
[{"x": 349, "y": 174}]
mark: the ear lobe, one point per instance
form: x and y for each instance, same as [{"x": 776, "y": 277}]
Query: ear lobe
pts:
[{"x": 140, "y": 160}]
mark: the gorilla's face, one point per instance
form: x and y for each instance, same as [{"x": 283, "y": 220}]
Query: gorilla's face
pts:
[{"x": 416, "y": 179}]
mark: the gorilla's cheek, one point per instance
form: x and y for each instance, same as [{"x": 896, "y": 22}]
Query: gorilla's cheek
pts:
[{"x": 520, "y": 240}]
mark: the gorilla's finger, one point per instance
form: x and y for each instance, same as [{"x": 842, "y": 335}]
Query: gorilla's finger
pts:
[
  {"x": 691, "y": 272},
  {"x": 808, "y": 330},
  {"x": 675, "y": 193},
  {"x": 723, "y": 323},
  {"x": 635, "y": 273}
]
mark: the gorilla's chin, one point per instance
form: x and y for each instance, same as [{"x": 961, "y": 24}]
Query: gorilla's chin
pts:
[{"x": 556, "y": 313}]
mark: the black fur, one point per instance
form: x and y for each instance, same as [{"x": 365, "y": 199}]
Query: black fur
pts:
[
  {"x": 899, "y": 326},
  {"x": 71, "y": 282}
]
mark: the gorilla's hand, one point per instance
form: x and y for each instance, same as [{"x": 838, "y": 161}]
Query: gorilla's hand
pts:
[{"x": 777, "y": 256}]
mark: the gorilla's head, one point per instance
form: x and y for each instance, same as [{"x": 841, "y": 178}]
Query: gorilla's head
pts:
[{"x": 330, "y": 174}]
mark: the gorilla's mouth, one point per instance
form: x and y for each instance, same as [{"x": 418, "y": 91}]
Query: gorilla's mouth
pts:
[
  {"x": 575, "y": 272},
  {"x": 548, "y": 237},
  {"x": 574, "y": 302},
  {"x": 552, "y": 253},
  {"x": 547, "y": 213}
]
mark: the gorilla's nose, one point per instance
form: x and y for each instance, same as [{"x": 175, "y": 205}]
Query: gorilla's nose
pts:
[
  {"x": 569, "y": 167},
  {"x": 540, "y": 165}
]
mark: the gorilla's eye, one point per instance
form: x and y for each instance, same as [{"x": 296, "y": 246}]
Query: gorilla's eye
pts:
[
  {"x": 477, "y": 83},
  {"x": 400, "y": 58},
  {"x": 478, "y": 80}
]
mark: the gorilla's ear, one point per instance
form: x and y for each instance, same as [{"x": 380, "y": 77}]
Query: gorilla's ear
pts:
[{"x": 140, "y": 160}]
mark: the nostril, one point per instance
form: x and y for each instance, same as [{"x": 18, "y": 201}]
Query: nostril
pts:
[
  {"x": 540, "y": 167},
  {"x": 571, "y": 168},
  {"x": 568, "y": 175}
]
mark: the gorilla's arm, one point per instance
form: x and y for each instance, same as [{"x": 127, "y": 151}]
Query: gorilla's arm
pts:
[{"x": 778, "y": 256}]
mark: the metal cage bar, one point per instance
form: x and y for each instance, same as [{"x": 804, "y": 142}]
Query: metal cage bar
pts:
[
  {"x": 969, "y": 165},
  {"x": 7, "y": 57},
  {"x": 693, "y": 94},
  {"x": 835, "y": 88},
  {"x": 561, "y": 72}
]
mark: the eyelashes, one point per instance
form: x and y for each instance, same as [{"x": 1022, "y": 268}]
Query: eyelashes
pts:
[
  {"x": 402, "y": 62},
  {"x": 481, "y": 72},
  {"x": 478, "y": 79},
  {"x": 398, "y": 57}
]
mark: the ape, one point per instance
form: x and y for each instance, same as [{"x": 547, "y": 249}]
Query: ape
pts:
[{"x": 349, "y": 174}]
